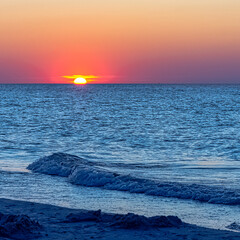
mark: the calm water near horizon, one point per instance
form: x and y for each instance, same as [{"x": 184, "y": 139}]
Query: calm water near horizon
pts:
[{"x": 186, "y": 134}]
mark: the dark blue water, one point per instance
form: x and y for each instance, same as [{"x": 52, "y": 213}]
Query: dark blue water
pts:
[
  {"x": 176, "y": 133},
  {"x": 188, "y": 131}
]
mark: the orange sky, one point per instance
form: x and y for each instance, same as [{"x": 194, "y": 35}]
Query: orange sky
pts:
[{"x": 144, "y": 41}]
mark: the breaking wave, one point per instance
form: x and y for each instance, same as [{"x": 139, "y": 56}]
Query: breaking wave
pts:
[{"x": 80, "y": 171}]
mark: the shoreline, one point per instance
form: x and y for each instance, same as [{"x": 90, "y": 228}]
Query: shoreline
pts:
[{"x": 65, "y": 223}]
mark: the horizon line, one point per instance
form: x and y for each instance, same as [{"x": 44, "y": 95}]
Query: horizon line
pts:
[{"x": 121, "y": 84}]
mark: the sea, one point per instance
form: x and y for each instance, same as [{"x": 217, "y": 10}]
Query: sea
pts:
[{"x": 180, "y": 143}]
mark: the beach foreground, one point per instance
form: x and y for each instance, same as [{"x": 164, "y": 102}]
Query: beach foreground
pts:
[{"x": 44, "y": 221}]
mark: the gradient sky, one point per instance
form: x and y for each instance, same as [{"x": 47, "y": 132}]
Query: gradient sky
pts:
[{"x": 122, "y": 41}]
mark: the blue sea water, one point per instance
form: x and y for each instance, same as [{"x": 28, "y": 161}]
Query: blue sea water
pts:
[{"x": 176, "y": 134}]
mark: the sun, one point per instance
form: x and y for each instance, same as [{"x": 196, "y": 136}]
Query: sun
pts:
[{"x": 80, "y": 80}]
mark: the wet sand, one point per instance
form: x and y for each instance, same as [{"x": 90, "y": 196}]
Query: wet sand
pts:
[{"x": 64, "y": 223}]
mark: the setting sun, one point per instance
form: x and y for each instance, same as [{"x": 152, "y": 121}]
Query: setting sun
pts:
[{"x": 80, "y": 80}]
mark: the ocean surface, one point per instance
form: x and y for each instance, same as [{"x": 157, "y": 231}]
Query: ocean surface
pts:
[{"x": 182, "y": 141}]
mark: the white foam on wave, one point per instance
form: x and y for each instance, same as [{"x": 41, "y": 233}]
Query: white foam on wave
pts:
[{"x": 86, "y": 173}]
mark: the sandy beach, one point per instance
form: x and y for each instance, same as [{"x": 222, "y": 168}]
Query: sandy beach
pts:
[{"x": 42, "y": 221}]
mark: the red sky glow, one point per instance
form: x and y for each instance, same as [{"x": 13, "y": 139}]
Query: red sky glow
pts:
[{"x": 144, "y": 41}]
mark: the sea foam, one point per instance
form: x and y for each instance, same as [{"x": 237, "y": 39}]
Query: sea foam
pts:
[{"x": 80, "y": 171}]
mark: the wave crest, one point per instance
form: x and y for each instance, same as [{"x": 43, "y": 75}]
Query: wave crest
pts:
[{"x": 80, "y": 171}]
